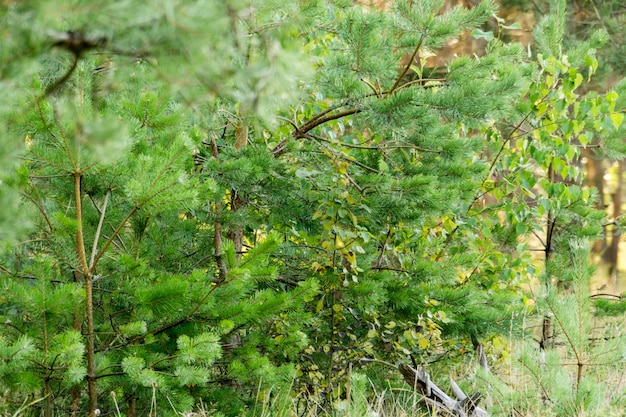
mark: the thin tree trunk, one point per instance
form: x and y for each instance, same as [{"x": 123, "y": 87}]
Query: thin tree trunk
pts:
[
  {"x": 75, "y": 403},
  {"x": 47, "y": 391},
  {"x": 595, "y": 178},
  {"x": 75, "y": 392},
  {"x": 611, "y": 254},
  {"x": 48, "y": 394},
  {"x": 546, "y": 326},
  {"x": 219, "y": 256},
  {"x": 238, "y": 201},
  {"x": 132, "y": 407},
  {"x": 86, "y": 272}
]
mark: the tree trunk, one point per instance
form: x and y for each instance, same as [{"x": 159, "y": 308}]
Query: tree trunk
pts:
[
  {"x": 87, "y": 275},
  {"x": 612, "y": 251},
  {"x": 595, "y": 178},
  {"x": 75, "y": 403},
  {"x": 132, "y": 407},
  {"x": 237, "y": 200}
]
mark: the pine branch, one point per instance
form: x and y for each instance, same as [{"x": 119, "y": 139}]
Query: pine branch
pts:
[
  {"x": 63, "y": 139},
  {"x": 177, "y": 322},
  {"x": 138, "y": 205},
  {"x": 325, "y": 116},
  {"x": 57, "y": 84},
  {"x": 407, "y": 67},
  {"x": 39, "y": 206},
  {"x": 570, "y": 341},
  {"x": 344, "y": 157},
  {"x": 385, "y": 146},
  {"x": 99, "y": 228},
  {"x": 116, "y": 232},
  {"x": 317, "y": 121},
  {"x": 539, "y": 380}
]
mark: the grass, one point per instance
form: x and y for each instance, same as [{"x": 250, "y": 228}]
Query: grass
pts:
[{"x": 504, "y": 394}]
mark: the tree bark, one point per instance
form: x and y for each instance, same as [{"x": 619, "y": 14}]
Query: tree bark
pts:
[
  {"x": 88, "y": 277},
  {"x": 595, "y": 178},
  {"x": 612, "y": 251},
  {"x": 237, "y": 200}
]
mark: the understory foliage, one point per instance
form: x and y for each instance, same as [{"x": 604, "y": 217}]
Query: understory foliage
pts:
[{"x": 219, "y": 201}]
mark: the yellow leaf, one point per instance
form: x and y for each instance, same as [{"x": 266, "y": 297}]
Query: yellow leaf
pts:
[
  {"x": 617, "y": 119},
  {"x": 350, "y": 257},
  {"x": 423, "y": 343}
]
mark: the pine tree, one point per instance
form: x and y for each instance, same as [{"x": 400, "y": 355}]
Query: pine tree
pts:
[{"x": 120, "y": 288}]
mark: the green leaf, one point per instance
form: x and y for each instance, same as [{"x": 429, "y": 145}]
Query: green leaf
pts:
[
  {"x": 513, "y": 26},
  {"x": 382, "y": 166},
  {"x": 480, "y": 34}
]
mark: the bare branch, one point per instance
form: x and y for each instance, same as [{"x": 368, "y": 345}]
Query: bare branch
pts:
[{"x": 99, "y": 228}]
